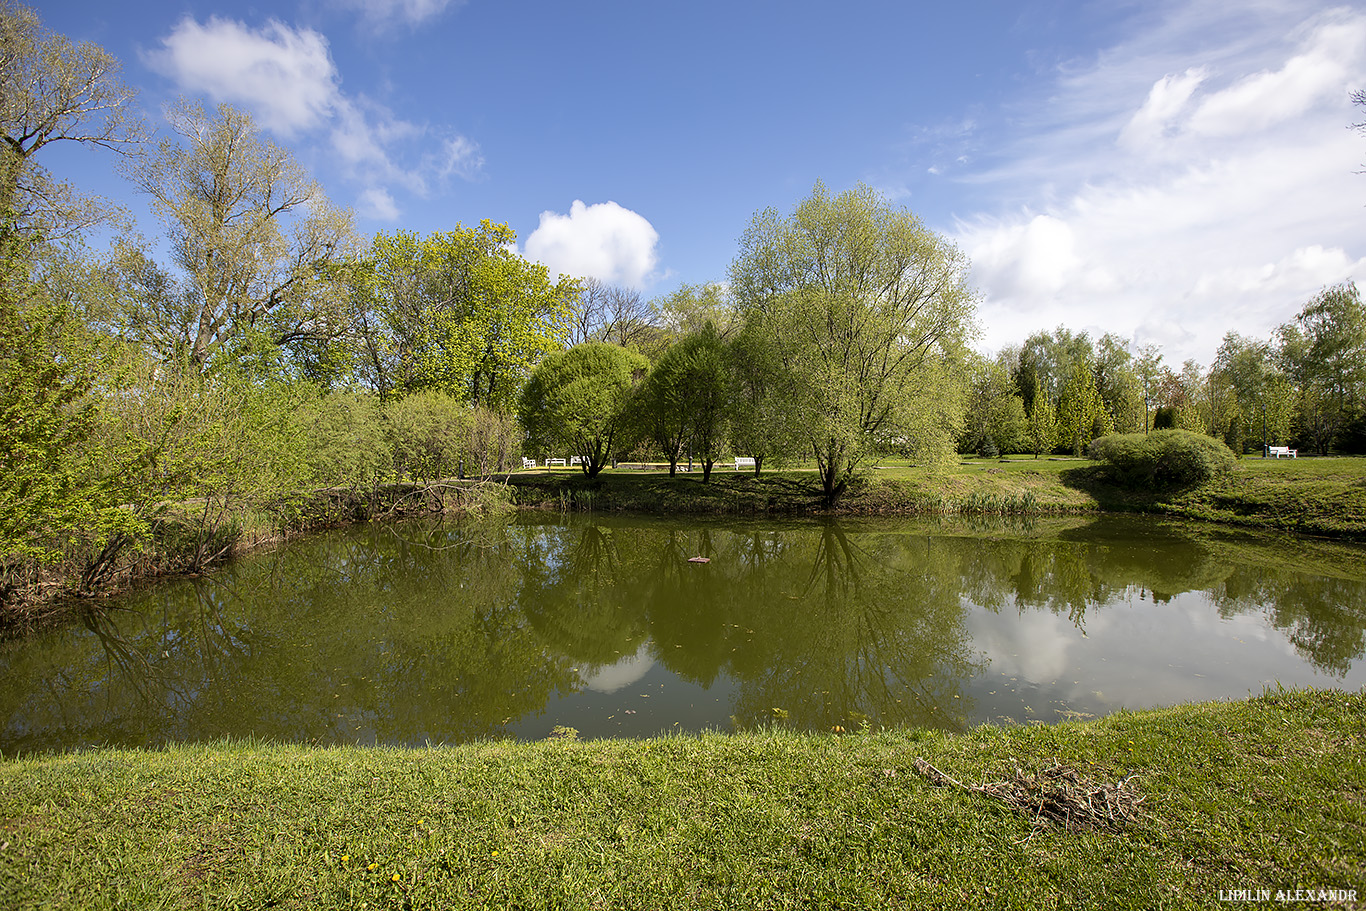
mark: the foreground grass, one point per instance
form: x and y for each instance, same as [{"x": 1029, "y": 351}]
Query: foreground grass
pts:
[{"x": 1268, "y": 793}]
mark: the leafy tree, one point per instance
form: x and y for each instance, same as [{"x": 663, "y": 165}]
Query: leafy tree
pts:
[
  {"x": 683, "y": 401},
  {"x": 995, "y": 413},
  {"x": 54, "y": 91},
  {"x": 1119, "y": 385},
  {"x": 758, "y": 395},
  {"x": 1325, "y": 352},
  {"x": 1081, "y": 413},
  {"x": 576, "y": 400},
  {"x": 458, "y": 311},
  {"x": 255, "y": 241},
  {"x": 1041, "y": 427},
  {"x": 1148, "y": 367},
  {"x": 870, "y": 311},
  {"x": 346, "y": 442},
  {"x": 50, "y": 498},
  {"x": 429, "y": 431}
]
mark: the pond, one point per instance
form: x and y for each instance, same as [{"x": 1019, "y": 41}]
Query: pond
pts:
[{"x": 442, "y": 632}]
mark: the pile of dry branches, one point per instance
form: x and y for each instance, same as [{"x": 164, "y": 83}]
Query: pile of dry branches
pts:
[{"x": 1057, "y": 795}]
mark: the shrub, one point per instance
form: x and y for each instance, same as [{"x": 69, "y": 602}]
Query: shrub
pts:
[
  {"x": 429, "y": 431},
  {"x": 1163, "y": 458}
]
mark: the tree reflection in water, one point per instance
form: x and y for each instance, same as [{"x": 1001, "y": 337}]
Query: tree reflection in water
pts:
[{"x": 442, "y": 632}]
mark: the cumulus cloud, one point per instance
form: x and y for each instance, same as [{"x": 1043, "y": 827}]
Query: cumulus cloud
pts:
[
  {"x": 603, "y": 241},
  {"x": 1197, "y": 179},
  {"x": 285, "y": 76}
]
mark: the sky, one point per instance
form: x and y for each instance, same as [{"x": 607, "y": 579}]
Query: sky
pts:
[{"x": 1166, "y": 170}]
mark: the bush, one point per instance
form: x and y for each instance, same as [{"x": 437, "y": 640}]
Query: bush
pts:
[
  {"x": 429, "y": 431},
  {"x": 1163, "y": 458}
]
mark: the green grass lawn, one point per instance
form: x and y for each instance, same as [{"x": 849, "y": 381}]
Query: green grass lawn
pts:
[{"x": 1267, "y": 793}]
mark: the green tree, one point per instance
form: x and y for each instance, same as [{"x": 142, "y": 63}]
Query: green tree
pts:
[
  {"x": 1041, "y": 428},
  {"x": 1081, "y": 413},
  {"x": 1325, "y": 351},
  {"x": 576, "y": 400},
  {"x": 758, "y": 395},
  {"x": 256, "y": 243},
  {"x": 50, "y": 496},
  {"x": 996, "y": 418},
  {"x": 870, "y": 311},
  {"x": 458, "y": 311},
  {"x": 683, "y": 402},
  {"x": 55, "y": 91}
]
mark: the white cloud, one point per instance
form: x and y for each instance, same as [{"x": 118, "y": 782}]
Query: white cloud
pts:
[
  {"x": 603, "y": 241},
  {"x": 1168, "y": 96},
  {"x": 285, "y": 76},
  {"x": 376, "y": 203},
  {"x": 1197, "y": 179}
]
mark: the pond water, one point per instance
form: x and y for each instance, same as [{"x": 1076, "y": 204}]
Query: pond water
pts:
[{"x": 432, "y": 632}]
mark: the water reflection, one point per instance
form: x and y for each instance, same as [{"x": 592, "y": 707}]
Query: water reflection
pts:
[{"x": 432, "y": 632}]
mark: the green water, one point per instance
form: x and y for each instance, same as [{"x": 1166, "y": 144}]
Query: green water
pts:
[{"x": 443, "y": 632}]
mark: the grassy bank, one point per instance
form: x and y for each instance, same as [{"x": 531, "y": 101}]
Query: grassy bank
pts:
[
  {"x": 1265, "y": 793},
  {"x": 1320, "y": 496}
]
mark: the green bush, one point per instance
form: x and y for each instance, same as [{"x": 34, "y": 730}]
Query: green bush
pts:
[
  {"x": 429, "y": 431},
  {"x": 1163, "y": 458}
]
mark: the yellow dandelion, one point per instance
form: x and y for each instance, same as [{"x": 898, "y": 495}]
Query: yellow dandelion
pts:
[
  {"x": 345, "y": 858},
  {"x": 495, "y": 853},
  {"x": 395, "y": 877},
  {"x": 373, "y": 867}
]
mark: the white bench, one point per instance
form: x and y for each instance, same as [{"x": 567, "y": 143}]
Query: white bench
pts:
[
  {"x": 554, "y": 463},
  {"x": 528, "y": 463},
  {"x": 1279, "y": 451},
  {"x": 575, "y": 460},
  {"x": 743, "y": 462}
]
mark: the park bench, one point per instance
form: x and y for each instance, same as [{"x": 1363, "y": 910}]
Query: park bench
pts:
[
  {"x": 1279, "y": 451},
  {"x": 554, "y": 463},
  {"x": 575, "y": 460},
  {"x": 743, "y": 462},
  {"x": 528, "y": 463}
]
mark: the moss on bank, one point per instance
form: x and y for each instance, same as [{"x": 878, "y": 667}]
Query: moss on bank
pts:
[{"x": 1264, "y": 793}]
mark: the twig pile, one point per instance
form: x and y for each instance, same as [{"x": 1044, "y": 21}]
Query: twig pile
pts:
[{"x": 1057, "y": 794}]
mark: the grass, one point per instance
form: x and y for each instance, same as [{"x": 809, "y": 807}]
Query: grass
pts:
[
  {"x": 1266, "y": 793},
  {"x": 1319, "y": 496}
]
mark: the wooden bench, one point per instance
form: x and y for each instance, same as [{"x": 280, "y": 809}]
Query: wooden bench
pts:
[
  {"x": 554, "y": 463},
  {"x": 743, "y": 462},
  {"x": 1279, "y": 451}
]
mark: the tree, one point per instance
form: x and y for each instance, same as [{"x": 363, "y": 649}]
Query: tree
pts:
[
  {"x": 870, "y": 311},
  {"x": 1149, "y": 372},
  {"x": 995, "y": 413},
  {"x": 1326, "y": 350},
  {"x": 458, "y": 311},
  {"x": 1041, "y": 428},
  {"x": 52, "y": 91},
  {"x": 1081, "y": 413},
  {"x": 610, "y": 313},
  {"x": 683, "y": 401},
  {"x": 256, "y": 242},
  {"x": 575, "y": 401},
  {"x": 759, "y": 396}
]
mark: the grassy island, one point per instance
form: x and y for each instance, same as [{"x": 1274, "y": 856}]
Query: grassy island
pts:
[{"x": 1168, "y": 808}]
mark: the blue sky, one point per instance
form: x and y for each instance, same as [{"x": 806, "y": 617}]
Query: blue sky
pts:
[{"x": 1168, "y": 171}]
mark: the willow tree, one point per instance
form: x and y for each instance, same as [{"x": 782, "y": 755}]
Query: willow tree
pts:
[
  {"x": 870, "y": 311},
  {"x": 576, "y": 401},
  {"x": 256, "y": 243}
]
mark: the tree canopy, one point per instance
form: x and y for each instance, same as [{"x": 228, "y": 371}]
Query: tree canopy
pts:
[{"x": 870, "y": 311}]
